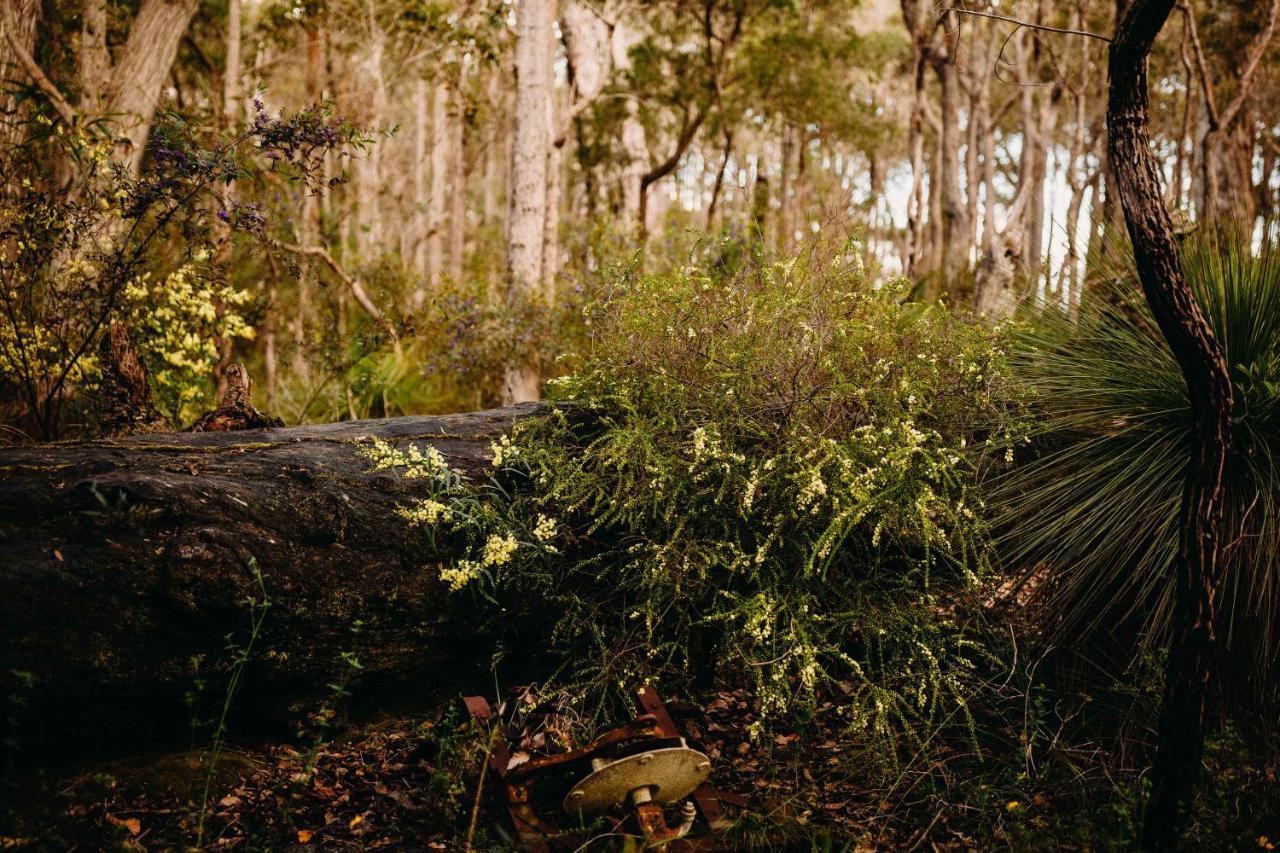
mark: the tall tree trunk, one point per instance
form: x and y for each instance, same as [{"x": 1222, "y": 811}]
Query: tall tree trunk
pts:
[
  {"x": 975, "y": 128},
  {"x": 458, "y": 181},
  {"x": 95, "y": 60},
  {"x": 551, "y": 225},
  {"x": 421, "y": 222},
  {"x": 1180, "y": 739},
  {"x": 371, "y": 182},
  {"x": 786, "y": 206},
  {"x": 717, "y": 185},
  {"x": 309, "y": 232},
  {"x": 531, "y": 141},
  {"x": 232, "y": 68},
  {"x": 915, "y": 147},
  {"x": 954, "y": 233},
  {"x": 18, "y": 22},
  {"x": 935, "y": 247},
  {"x": 492, "y": 153},
  {"x": 437, "y": 201},
  {"x": 139, "y": 75},
  {"x": 636, "y": 161}
]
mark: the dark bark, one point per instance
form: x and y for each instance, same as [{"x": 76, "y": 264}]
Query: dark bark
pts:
[
  {"x": 124, "y": 391},
  {"x": 235, "y": 411},
  {"x": 1180, "y": 742},
  {"x": 122, "y": 561}
]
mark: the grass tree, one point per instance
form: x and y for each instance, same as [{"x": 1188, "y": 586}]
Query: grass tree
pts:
[{"x": 1203, "y": 363}]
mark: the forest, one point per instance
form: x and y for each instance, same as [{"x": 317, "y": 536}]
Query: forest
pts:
[{"x": 588, "y": 425}]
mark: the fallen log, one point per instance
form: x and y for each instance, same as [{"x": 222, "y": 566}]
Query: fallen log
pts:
[{"x": 127, "y": 564}]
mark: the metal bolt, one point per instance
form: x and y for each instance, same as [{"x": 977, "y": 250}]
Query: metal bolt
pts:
[
  {"x": 704, "y": 765},
  {"x": 645, "y": 759}
]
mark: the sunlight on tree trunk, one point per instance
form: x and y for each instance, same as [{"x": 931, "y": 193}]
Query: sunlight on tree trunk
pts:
[{"x": 531, "y": 141}]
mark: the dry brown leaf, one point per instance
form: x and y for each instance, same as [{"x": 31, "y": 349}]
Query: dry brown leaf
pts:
[
  {"x": 304, "y": 835},
  {"x": 132, "y": 824}
]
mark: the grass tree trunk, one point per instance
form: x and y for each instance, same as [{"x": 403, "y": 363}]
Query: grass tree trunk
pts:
[{"x": 1180, "y": 742}]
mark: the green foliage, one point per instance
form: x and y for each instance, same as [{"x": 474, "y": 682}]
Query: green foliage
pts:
[
  {"x": 766, "y": 465},
  {"x": 104, "y": 245},
  {"x": 178, "y": 322},
  {"x": 1099, "y": 505}
]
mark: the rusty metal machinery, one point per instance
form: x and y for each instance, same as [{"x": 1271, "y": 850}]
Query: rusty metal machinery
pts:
[{"x": 631, "y": 774}]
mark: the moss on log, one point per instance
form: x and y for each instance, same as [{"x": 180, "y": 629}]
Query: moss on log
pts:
[{"x": 124, "y": 563}]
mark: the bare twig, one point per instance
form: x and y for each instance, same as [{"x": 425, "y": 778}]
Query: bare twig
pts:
[
  {"x": 353, "y": 284},
  {"x": 1020, "y": 23}
]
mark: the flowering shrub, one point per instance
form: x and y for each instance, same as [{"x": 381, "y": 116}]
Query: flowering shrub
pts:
[
  {"x": 99, "y": 244},
  {"x": 769, "y": 469},
  {"x": 177, "y": 321},
  {"x": 476, "y": 517}
]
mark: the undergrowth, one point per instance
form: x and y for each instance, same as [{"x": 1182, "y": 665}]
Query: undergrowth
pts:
[
  {"x": 762, "y": 470},
  {"x": 1098, "y": 501}
]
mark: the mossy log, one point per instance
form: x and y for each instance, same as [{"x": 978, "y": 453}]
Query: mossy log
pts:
[{"x": 123, "y": 563}]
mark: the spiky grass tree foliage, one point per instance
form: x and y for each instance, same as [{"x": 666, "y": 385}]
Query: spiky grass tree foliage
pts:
[{"x": 1098, "y": 506}]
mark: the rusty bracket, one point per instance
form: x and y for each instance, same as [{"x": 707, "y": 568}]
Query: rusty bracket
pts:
[{"x": 655, "y": 722}]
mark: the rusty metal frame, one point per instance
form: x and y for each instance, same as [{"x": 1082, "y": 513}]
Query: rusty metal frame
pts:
[{"x": 656, "y": 722}]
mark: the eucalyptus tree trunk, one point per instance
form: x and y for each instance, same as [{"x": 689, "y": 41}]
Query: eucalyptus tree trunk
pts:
[
  {"x": 1180, "y": 738},
  {"x": 437, "y": 200},
  {"x": 232, "y": 67},
  {"x": 786, "y": 192},
  {"x": 489, "y": 192},
  {"x": 17, "y": 23},
  {"x": 1223, "y": 185},
  {"x": 551, "y": 224},
  {"x": 140, "y": 72},
  {"x": 954, "y": 232},
  {"x": 375, "y": 101},
  {"x": 532, "y": 139},
  {"x": 457, "y": 182},
  {"x": 421, "y": 224},
  {"x": 717, "y": 186},
  {"x": 309, "y": 219},
  {"x": 934, "y": 247}
]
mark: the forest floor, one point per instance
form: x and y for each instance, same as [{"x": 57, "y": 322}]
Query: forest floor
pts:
[{"x": 412, "y": 782}]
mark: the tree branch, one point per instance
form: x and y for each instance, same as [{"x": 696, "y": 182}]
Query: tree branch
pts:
[
  {"x": 1020, "y": 23},
  {"x": 354, "y": 285},
  {"x": 1210, "y": 103},
  {"x": 38, "y": 77},
  {"x": 1254, "y": 55},
  {"x": 668, "y": 166}
]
